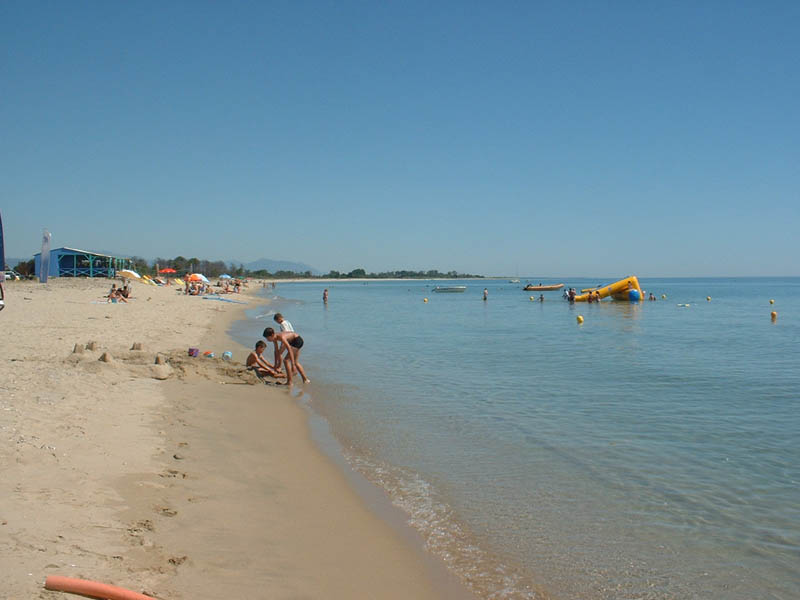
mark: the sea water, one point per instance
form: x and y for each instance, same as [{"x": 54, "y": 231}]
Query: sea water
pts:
[{"x": 651, "y": 452}]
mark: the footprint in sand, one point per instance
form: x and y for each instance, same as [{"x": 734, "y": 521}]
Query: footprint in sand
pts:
[
  {"x": 177, "y": 560},
  {"x": 140, "y": 526},
  {"x": 167, "y": 512},
  {"x": 172, "y": 473}
]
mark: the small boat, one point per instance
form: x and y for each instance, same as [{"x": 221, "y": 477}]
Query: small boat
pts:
[
  {"x": 450, "y": 289},
  {"x": 543, "y": 288},
  {"x": 513, "y": 281}
]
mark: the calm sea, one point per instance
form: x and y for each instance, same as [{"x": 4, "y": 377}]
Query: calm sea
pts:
[{"x": 651, "y": 452}]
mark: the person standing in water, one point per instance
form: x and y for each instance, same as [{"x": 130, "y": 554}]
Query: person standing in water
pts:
[
  {"x": 284, "y": 323},
  {"x": 325, "y": 296},
  {"x": 485, "y": 294}
]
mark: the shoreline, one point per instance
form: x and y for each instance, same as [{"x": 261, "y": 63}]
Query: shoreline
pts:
[
  {"x": 175, "y": 488},
  {"x": 376, "y": 517},
  {"x": 460, "y": 561}
]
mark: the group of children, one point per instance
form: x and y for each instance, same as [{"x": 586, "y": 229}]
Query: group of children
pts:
[{"x": 287, "y": 345}]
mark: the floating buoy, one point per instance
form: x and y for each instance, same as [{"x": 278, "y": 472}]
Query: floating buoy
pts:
[
  {"x": 579, "y": 319},
  {"x": 708, "y": 298},
  {"x": 773, "y": 315},
  {"x": 532, "y": 298},
  {"x": 772, "y": 301},
  {"x": 663, "y": 296},
  {"x": 424, "y": 299}
]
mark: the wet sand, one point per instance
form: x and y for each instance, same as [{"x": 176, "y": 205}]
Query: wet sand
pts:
[{"x": 187, "y": 479}]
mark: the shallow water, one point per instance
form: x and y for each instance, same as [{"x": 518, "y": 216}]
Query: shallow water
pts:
[{"x": 651, "y": 452}]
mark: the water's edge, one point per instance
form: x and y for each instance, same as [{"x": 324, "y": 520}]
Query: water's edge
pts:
[{"x": 360, "y": 474}]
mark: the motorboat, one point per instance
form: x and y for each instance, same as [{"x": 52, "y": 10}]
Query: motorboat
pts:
[{"x": 450, "y": 289}]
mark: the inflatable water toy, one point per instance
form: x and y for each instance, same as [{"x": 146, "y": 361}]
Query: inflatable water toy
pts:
[
  {"x": 624, "y": 289},
  {"x": 543, "y": 288},
  {"x": 84, "y": 587}
]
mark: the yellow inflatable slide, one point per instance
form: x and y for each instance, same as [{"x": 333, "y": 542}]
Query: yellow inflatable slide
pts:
[{"x": 624, "y": 289}]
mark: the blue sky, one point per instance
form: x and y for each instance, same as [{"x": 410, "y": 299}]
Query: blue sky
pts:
[{"x": 558, "y": 138}]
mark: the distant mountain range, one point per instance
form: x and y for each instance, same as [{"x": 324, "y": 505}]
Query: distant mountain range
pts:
[{"x": 279, "y": 265}]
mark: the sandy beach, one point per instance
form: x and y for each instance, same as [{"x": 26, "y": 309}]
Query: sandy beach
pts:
[{"x": 186, "y": 479}]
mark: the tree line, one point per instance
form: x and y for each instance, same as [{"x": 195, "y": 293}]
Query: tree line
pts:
[{"x": 216, "y": 268}]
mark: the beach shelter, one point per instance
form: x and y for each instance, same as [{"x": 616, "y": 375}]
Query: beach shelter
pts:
[
  {"x": 225, "y": 276},
  {"x": 197, "y": 277},
  {"x": 168, "y": 270},
  {"x": 129, "y": 274}
]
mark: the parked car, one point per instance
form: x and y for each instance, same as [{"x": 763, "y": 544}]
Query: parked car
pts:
[{"x": 12, "y": 275}]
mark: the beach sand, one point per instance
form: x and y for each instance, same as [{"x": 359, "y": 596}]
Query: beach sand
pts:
[{"x": 187, "y": 479}]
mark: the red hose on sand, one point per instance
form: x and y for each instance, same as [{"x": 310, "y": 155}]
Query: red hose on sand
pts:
[{"x": 57, "y": 583}]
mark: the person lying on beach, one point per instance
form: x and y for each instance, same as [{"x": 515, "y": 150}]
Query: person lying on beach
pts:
[
  {"x": 287, "y": 342},
  {"x": 256, "y": 362}
]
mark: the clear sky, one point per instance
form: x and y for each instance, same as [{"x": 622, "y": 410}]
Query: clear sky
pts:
[{"x": 532, "y": 138}]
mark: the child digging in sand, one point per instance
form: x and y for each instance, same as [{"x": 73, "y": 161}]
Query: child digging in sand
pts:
[
  {"x": 257, "y": 363},
  {"x": 290, "y": 344}
]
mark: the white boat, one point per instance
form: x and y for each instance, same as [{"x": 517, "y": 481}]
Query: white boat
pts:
[
  {"x": 449, "y": 289},
  {"x": 513, "y": 281}
]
